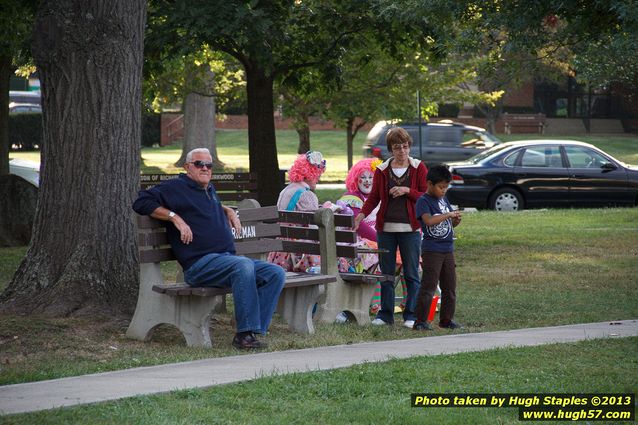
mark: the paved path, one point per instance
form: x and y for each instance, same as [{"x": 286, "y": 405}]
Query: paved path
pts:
[{"x": 205, "y": 373}]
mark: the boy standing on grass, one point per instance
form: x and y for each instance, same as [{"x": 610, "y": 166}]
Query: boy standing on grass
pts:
[{"x": 437, "y": 250}]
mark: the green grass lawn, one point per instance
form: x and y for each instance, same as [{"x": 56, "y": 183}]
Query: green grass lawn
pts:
[
  {"x": 379, "y": 393},
  {"x": 527, "y": 269}
]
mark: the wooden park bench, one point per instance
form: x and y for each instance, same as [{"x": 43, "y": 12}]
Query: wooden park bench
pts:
[
  {"x": 525, "y": 123},
  {"x": 191, "y": 308},
  {"x": 232, "y": 187}
]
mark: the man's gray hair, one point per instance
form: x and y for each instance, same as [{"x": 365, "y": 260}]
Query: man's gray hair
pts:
[{"x": 189, "y": 156}]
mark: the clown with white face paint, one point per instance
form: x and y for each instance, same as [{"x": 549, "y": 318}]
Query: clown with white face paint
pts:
[{"x": 359, "y": 185}]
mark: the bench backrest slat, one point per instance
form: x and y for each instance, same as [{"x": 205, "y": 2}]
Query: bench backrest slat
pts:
[
  {"x": 344, "y": 236},
  {"x": 259, "y": 214},
  {"x": 254, "y": 230},
  {"x": 303, "y": 217},
  {"x": 152, "y": 239},
  {"x": 156, "y": 255},
  {"x": 258, "y": 246}
]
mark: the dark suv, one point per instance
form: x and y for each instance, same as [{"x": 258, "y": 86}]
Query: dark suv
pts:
[{"x": 444, "y": 141}]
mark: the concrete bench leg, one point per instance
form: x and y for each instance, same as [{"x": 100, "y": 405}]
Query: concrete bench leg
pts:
[
  {"x": 190, "y": 314},
  {"x": 296, "y": 305},
  {"x": 351, "y": 297}
]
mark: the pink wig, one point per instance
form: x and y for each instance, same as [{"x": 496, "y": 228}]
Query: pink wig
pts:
[
  {"x": 302, "y": 169},
  {"x": 352, "y": 180}
]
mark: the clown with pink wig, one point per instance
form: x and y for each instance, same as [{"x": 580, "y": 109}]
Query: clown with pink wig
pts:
[
  {"x": 299, "y": 196},
  {"x": 359, "y": 185}
]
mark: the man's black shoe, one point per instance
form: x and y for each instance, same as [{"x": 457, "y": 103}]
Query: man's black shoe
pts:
[
  {"x": 450, "y": 325},
  {"x": 247, "y": 341}
]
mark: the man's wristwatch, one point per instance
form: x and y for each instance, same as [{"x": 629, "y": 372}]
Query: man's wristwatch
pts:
[{"x": 171, "y": 214}]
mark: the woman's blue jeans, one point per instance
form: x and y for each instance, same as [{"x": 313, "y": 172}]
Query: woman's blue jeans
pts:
[
  {"x": 409, "y": 243},
  {"x": 256, "y": 286}
]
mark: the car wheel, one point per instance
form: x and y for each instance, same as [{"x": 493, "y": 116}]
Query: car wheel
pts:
[{"x": 506, "y": 200}]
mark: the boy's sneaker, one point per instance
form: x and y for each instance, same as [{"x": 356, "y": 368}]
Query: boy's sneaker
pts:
[
  {"x": 379, "y": 322},
  {"x": 451, "y": 325},
  {"x": 409, "y": 324},
  {"x": 423, "y": 326}
]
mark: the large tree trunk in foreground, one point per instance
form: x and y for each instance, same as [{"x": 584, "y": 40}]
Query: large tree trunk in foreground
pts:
[
  {"x": 199, "y": 127},
  {"x": 262, "y": 143},
  {"x": 83, "y": 253}
]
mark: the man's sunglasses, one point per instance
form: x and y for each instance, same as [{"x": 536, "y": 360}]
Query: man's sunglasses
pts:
[{"x": 202, "y": 164}]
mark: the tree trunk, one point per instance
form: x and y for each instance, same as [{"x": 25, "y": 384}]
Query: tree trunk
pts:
[
  {"x": 304, "y": 135},
  {"x": 350, "y": 140},
  {"x": 5, "y": 75},
  {"x": 83, "y": 256},
  {"x": 199, "y": 127},
  {"x": 262, "y": 143}
]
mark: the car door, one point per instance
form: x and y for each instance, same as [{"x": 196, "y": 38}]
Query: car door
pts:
[
  {"x": 443, "y": 144},
  {"x": 542, "y": 176},
  {"x": 594, "y": 183}
]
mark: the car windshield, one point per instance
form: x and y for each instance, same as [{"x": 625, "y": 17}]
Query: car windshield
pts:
[
  {"x": 489, "y": 139},
  {"x": 487, "y": 153}
]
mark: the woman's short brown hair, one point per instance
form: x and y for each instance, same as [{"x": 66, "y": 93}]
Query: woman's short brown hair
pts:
[{"x": 397, "y": 136}]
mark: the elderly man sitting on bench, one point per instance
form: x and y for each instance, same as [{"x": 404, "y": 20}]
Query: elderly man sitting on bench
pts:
[{"x": 199, "y": 231}]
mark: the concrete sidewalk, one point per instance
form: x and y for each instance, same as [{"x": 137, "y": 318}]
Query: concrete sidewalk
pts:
[{"x": 205, "y": 373}]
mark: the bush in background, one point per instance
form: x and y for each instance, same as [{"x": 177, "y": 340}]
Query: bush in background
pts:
[{"x": 25, "y": 130}]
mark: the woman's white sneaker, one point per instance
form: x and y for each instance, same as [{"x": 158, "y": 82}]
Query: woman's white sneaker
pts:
[{"x": 409, "y": 324}]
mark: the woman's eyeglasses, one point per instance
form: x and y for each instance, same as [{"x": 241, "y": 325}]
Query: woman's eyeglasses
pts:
[
  {"x": 202, "y": 164},
  {"x": 404, "y": 147}
]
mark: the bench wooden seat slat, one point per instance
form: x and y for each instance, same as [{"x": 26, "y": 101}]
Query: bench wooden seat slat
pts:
[
  {"x": 367, "y": 278},
  {"x": 293, "y": 279}
]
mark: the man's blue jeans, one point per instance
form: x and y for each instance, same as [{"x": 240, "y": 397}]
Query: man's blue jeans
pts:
[
  {"x": 256, "y": 286},
  {"x": 409, "y": 244}
]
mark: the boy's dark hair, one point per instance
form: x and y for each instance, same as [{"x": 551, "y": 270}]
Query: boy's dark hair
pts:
[{"x": 439, "y": 173}]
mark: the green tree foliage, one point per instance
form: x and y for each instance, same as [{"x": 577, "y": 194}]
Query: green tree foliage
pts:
[
  {"x": 170, "y": 78},
  {"x": 273, "y": 40},
  {"x": 595, "y": 39}
]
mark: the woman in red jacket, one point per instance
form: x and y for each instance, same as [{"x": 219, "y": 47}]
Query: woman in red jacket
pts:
[{"x": 398, "y": 183}]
